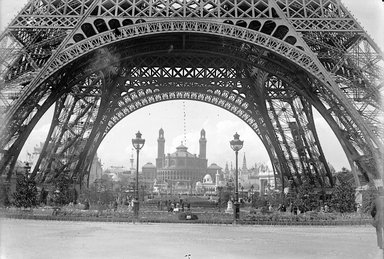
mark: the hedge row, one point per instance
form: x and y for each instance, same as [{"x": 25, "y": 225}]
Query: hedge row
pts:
[{"x": 201, "y": 218}]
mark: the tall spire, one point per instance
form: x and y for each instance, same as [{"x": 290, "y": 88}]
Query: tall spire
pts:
[
  {"x": 244, "y": 169},
  {"x": 226, "y": 170},
  {"x": 131, "y": 160},
  {"x": 160, "y": 149},
  {"x": 203, "y": 145}
]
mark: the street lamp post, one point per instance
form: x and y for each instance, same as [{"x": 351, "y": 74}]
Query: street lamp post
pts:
[
  {"x": 236, "y": 145},
  {"x": 291, "y": 192},
  {"x": 219, "y": 188},
  {"x": 252, "y": 187},
  {"x": 137, "y": 143},
  {"x": 142, "y": 192},
  {"x": 27, "y": 168}
]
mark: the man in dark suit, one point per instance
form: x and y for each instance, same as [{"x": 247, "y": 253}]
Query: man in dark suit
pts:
[{"x": 377, "y": 213}]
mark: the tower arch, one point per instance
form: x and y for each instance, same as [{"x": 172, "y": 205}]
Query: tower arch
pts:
[{"x": 288, "y": 63}]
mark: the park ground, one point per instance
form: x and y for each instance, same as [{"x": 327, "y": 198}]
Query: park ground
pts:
[{"x": 66, "y": 239}]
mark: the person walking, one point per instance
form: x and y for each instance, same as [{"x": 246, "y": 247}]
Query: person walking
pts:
[{"x": 377, "y": 213}]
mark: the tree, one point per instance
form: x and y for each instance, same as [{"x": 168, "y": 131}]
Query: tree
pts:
[
  {"x": 307, "y": 197},
  {"x": 43, "y": 196},
  {"x": 369, "y": 196},
  {"x": 63, "y": 193},
  {"x": 343, "y": 197},
  {"x": 273, "y": 198},
  {"x": 26, "y": 192},
  {"x": 4, "y": 198},
  {"x": 259, "y": 201}
]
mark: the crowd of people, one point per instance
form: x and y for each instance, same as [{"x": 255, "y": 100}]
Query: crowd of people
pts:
[{"x": 173, "y": 206}]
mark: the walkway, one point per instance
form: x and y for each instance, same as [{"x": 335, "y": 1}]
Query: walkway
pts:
[{"x": 65, "y": 239}]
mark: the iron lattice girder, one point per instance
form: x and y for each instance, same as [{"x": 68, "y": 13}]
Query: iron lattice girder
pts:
[
  {"x": 357, "y": 71},
  {"x": 147, "y": 62},
  {"x": 301, "y": 60},
  {"x": 139, "y": 99},
  {"x": 303, "y": 14},
  {"x": 294, "y": 126},
  {"x": 252, "y": 22},
  {"x": 74, "y": 118},
  {"x": 147, "y": 90},
  {"x": 176, "y": 66}
]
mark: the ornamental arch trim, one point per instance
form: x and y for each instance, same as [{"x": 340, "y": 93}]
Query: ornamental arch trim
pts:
[
  {"x": 268, "y": 42},
  {"x": 242, "y": 34}
]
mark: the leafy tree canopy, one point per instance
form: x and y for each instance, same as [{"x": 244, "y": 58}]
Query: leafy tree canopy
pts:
[{"x": 26, "y": 192}]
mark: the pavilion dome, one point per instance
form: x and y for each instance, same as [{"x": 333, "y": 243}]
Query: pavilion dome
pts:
[
  {"x": 149, "y": 165},
  {"x": 214, "y": 166},
  {"x": 182, "y": 147},
  {"x": 181, "y": 151}
]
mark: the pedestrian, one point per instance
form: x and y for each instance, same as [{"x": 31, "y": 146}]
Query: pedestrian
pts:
[
  {"x": 115, "y": 205},
  {"x": 377, "y": 212},
  {"x": 86, "y": 205}
]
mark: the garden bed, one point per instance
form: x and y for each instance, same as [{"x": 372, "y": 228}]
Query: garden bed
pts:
[{"x": 126, "y": 215}]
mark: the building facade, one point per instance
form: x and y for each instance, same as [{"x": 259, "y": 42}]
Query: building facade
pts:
[
  {"x": 181, "y": 170},
  {"x": 149, "y": 174}
]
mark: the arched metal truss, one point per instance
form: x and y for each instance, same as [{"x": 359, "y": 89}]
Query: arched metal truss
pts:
[{"x": 268, "y": 62}]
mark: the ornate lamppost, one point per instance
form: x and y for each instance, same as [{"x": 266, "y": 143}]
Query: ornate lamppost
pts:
[
  {"x": 252, "y": 187},
  {"x": 27, "y": 168},
  {"x": 219, "y": 188},
  {"x": 236, "y": 145},
  {"x": 137, "y": 143},
  {"x": 291, "y": 192}
]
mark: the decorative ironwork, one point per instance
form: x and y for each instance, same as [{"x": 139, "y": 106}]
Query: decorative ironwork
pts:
[{"x": 268, "y": 62}]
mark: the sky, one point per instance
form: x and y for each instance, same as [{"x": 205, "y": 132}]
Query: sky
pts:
[{"x": 220, "y": 125}]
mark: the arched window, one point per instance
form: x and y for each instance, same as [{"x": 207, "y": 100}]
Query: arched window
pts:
[
  {"x": 254, "y": 25},
  {"x": 291, "y": 40},
  {"x": 127, "y": 22},
  {"x": 241, "y": 23},
  {"x": 100, "y": 25},
  {"x": 280, "y": 32},
  {"x": 78, "y": 37},
  {"x": 268, "y": 27},
  {"x": 88, "y": 30},
  {"x": 113, "y": 24}
]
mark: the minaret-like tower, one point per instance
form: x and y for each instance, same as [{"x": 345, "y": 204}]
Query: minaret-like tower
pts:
[
  {"x": 226, "y": 170},
  {"x": 217, "y": 179},
  {"x": 203, "y": 145},
  {"x": 160, "y": 150},
  {"x": 132, "y": 160},
  {"x": 244, "y": 169}
]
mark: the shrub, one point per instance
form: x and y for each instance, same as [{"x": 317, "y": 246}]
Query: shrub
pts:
[
  {"x": 4, "y": 198},
  {"x": 26, "y": 192},
  {"x": 343, "y": 197},
  {"x": 368, "y": 198}
]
